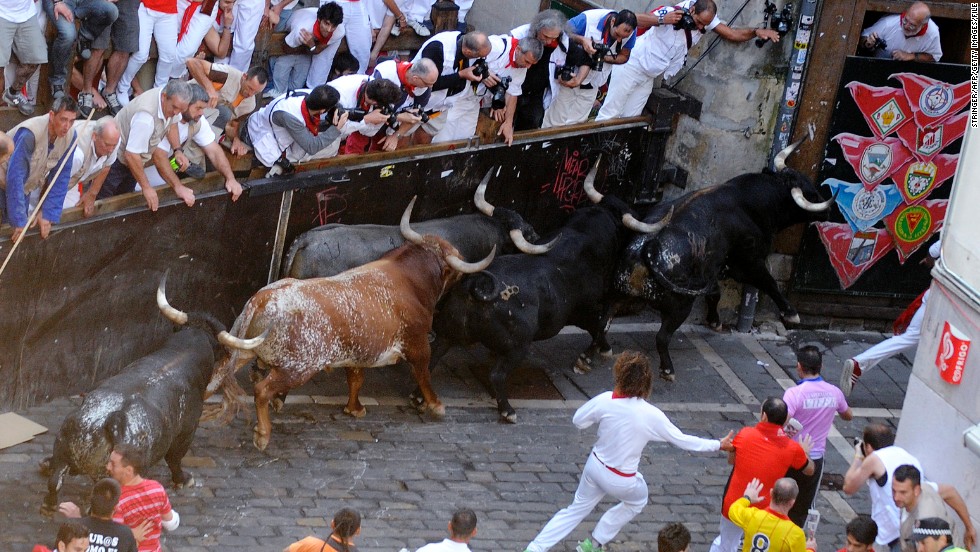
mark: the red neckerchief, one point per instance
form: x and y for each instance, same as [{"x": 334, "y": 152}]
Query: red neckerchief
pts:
[
  {"x": 402, "y": 68},
  {"x": 616, "y": 395},
  {"x": 185, "y": 21},
  {"x": 921, "y": 32},
  {"x": 312, "y": 123},
  {"x": 607, "y": 27},
  {"x": 361, "y": 97},
  {"x": 318, "y": 35},
  {"x": 513, "y": 51}
]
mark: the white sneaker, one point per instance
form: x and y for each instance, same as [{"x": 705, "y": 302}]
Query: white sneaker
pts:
[
  {"x": 419, "y": 28},
  {"x": 396, "y": 30},
  {"x": 271, "y": 93}
]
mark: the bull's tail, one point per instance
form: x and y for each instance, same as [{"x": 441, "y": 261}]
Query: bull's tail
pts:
[
  {"x": 485, "y": 286},
  {"x": 115, "y": 428}
]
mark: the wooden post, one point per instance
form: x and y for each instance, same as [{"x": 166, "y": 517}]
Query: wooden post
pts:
[{"x": 445, "y": 16}]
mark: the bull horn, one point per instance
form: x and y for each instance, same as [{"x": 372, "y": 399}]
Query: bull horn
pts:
[
  {"x": 780, "y": 161},
  {"x": 229, "y": 340},
  {"x": 174, "y": 315},
  {"x": 632, "y": 223},
  {"x": 407, "y": 232},
  {"x": 525, "y": 246},
  {"x": 480, "y": 200},
  {"x": 589, "y": 184},
  {"x": 460, "y": 265},
  {"x": 809, "y": 206}
]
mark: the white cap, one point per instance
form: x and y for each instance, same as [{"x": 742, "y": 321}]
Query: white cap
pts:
[{"x": 935, "y": 249}]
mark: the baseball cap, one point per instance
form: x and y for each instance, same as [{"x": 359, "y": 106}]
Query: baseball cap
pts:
[{"x": 931, "y": 527}]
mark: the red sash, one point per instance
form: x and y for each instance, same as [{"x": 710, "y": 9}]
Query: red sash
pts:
[
  {"x": 513, "y": 51},
  {"x": 902, "y": 322}
]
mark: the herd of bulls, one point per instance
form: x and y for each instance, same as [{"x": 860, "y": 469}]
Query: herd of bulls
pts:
[{"x": 364, "y": 296}]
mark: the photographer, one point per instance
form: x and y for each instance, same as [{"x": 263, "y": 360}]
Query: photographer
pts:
[
  {"x": 414, "y": 81},
  {"x": 661, "y": 51},
  {"x": 607, "y": 37},
  {"x": 562, "y": 63},
  {"x": 508, "y": 70},
  {"x": 455, "y": 55},
  {"x": 911, "y": 36},
  {"x": 366, "y": 102},
  {"x": 290, "y": 127}
]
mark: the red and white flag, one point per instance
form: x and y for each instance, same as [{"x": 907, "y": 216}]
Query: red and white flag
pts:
[
  {"x": 917, "y": 179},
  {"x": 926, "y": 142},
  {"x": 912, "y": 225},
  {"x": 884, "y": 108},
  {"x": 933, "y": 100},
  {"x": 852, "y": 253},
  {"x": 873, "y": 159}
]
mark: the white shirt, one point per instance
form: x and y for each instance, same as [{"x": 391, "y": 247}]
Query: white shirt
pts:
[
  {"x": 447, "y": 545},
  {"x": 203, "y": 137},
  {"x": 78, "y": 159},
  {"x": 141, "y": 128},
  {"x": 889, "y": 29},
  {"x": 662, "y": 50},
  {"x": 305, "y": 19},
  {"x": 626, "y": 425},
  {"x": 18, "y": 11}
]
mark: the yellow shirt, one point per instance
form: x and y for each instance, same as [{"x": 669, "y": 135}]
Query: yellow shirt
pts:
[{"x": 765, "y": 530}]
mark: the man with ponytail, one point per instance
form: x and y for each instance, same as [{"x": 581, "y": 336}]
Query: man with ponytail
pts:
[{"x": 346, "y": 525}]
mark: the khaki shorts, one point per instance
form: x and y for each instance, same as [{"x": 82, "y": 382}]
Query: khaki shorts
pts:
[{"x": 25, "y": 40}]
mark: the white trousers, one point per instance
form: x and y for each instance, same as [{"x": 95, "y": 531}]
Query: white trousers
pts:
[
  {"x": 461, "y": 118},
  {"x": 572, "y": 105},
  {"x": 358, "y": 32},
  {"x": 729, "y": 537},
  {"x": 154, "y": 26},
  {"x": 248, "y": 16},
  {"x": 197, "y": 29},
  {"x": 597, "y": 481},
  {"x": 629, "y": 89},
  {"x": 896, "y": 344}
]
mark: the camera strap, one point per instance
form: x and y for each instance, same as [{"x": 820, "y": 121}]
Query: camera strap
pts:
[{"x": 687, "y": 32}]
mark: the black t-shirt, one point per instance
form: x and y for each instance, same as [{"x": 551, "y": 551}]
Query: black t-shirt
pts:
[
  {"x": 108, "y": 536},
  {"x": 538, "y": 76}
]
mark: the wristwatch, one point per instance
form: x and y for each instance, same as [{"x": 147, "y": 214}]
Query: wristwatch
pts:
[{"x": 660, "y": 20}]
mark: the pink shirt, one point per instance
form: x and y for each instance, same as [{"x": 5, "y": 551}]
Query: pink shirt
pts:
[{"x": 814, "y": 403}]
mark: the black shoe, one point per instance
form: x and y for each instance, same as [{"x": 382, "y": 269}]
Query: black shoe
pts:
[
  {"x": 57, "y": 91},
  {"x": 86, "y": 105}
]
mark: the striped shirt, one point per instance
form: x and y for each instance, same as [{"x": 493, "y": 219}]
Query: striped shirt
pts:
[
  {"x": 137, "y": 503},
  {"x": 765, "y": 530}
]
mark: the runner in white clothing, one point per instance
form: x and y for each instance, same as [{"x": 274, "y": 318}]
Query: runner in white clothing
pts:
[{"x": 627, "y": 422}]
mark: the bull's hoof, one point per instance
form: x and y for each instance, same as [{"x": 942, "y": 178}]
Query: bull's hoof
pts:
[
  {"x": 791, "y": 318},
  {"x": 188, "y": 481},
  {"x": 509, "y": 417},
  {"x": 415, "y": 399},
  {"x": 260, "y": 441},
  {"x": 44, "y": 466},
  {"x": 355, "y": 413},
  {"x": 438, "y": 410},
  {"x": 48, "y": 510},
  {"x": 582, "y": 365},
  {"x": 607, "y": 353},
  {"x": 277, "y": 404},
  {"x": 716, "y": 326},
  {"x": 669, "y": 376}
]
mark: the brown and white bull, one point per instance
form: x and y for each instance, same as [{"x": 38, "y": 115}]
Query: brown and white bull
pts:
[{"x": 374, "y": 315}]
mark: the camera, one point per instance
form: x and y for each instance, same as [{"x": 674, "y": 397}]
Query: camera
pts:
[
  {"x": 480, "y": 69},
  {"x": 564, "y": 72},
  {"x": 687, "y": 22},
  {"x": 778, "y": 21},
  {"x": 598, "y": 58},
  {"x": 879, "y": 44},
  {"x": 858, "y": 442},
  {"x": 499, "y": 91}
]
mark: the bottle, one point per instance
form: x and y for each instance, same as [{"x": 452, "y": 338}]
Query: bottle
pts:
[
  {"x": 811, "y": 523},
  {"x": 174, "y": 164}
]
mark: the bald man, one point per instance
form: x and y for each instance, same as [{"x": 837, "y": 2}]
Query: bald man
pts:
[
  {"x": 909, "y": 36},
  {"x": 769, "y": 529}
]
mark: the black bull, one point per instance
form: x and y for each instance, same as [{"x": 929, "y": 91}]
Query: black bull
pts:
[
  {"x": 723, "y": 230},
  {"x": 523, "y": 298},
  {"x": 154, "y": 403},
  {"x": 333, "y": 248}
]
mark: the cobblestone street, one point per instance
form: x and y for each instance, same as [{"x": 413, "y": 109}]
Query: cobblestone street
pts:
[{"x": 407, "y": 472}]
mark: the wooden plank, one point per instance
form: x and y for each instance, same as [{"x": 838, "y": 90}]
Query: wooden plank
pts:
[{"x": 950, "y": 9}]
